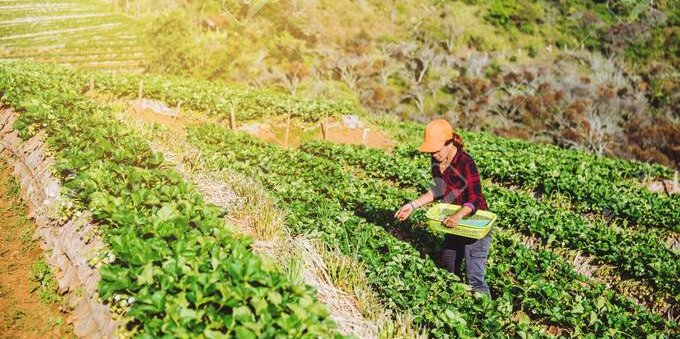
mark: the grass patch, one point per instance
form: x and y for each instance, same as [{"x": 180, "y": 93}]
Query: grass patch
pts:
[
  {"x": 43, "y": 282},
  {"x": 26, "y": 237},
  {"x": 348, "y": 274},
  {"x": 257, "y": 208}
]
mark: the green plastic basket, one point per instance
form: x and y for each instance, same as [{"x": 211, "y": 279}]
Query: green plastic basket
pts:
[{"x": 475, "y": 227}]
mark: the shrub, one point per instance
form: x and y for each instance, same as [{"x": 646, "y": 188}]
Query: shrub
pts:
[
  {"x": 173, "y": 49},
  {"x": 657, "y": 139},
  {"x": 520, "y": 14},
  {"x": 479, "y": 43},
  {"x": 492, "y": 69},
  {"x": 532, "y": 51},
  {"x": 619, "y": 37}
]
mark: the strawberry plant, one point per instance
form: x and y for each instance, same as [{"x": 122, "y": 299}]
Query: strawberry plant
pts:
[
  {"x": 216, "y": 99},
  {"x": 177, "y": 265},
  {"x": 644, "y": 256},
  {"x": 325, "y": 198}
]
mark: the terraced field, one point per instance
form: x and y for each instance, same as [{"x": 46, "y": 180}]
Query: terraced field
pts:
[{"x": 85, "y": 34}]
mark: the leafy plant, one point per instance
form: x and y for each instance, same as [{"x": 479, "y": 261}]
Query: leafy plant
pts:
[
  {"x": 354, "y": 212},
  {"x": 641, "y": 255},
  {"x": 43, "y": 282},
  {"x": 523, "y": 15},
  {"x": 176, "y": 269}
]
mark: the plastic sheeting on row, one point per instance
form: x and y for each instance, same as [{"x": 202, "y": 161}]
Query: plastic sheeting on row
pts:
[{"x": 67, "y": 244}]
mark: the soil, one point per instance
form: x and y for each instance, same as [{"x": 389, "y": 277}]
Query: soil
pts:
[
  {"x": 22, "y": 313},
  {"x": 336, "y": 132},
  {"x": 340, "y": 134},
  {"x": 149, "y": 116},
  {"x": 274, "y": 130}
]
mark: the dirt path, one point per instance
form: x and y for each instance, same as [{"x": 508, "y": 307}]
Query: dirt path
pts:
[
  {"x": 272, "y": 129},
  {"x": 25, "y": 309}
]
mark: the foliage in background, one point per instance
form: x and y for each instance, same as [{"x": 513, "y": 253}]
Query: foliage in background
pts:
[{"x": 518, "y": 68}]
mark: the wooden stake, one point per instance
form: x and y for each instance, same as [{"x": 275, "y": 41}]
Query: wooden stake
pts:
[
  {"x": 178, "y": 109},
  {"x": 232, "y": 117},
  {"x": 364, "y": 137},
  {"x": 140, "y": 95},
  {"x": 323, "y": 131},
  {"x": 285, "y": 141}
]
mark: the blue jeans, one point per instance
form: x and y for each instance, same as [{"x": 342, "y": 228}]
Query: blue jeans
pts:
[{"x": 475, "y": 252}]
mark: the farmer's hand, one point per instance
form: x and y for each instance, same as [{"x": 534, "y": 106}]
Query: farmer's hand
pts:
[
  {"x": 451, "y": 221},
  {"x": 404, "y": 212}
]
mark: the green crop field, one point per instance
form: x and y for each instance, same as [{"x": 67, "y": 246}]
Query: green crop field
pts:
[
  {"x": 347, "y": 194},
  {"x": 582, "y": 248}
]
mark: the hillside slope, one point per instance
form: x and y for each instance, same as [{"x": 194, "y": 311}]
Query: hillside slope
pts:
[{"x": 591, "y": 75}]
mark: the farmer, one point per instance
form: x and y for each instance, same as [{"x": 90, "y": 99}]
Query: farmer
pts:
[{"x": 456, "y": 181}]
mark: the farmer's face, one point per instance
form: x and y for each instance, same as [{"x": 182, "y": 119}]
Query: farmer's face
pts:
[{"x": 440, "y": 155}]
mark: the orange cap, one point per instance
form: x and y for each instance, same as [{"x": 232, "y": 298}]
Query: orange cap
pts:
[{"x": 437, "y": 133}]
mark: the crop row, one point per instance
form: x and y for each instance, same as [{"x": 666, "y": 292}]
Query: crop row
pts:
[
  {"x": 220, "y": 100},
  {"x": 178, "y": 265},
  {"x": 324, "y": 198},
  {"x": 114, "y": 34},
  {"x": 93, "y": 51},
  {"x": 639, "y": 255},
  {"x": 33, "y": 27},
  {"x": 581, "y": 176},
  {"x": 601, "y": 184},
  {"x": 10, "y": 13},
  {"x": 212, "y": 98}
]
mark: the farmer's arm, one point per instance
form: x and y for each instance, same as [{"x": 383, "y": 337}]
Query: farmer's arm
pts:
[
  {"x": 474, "y": 187},
  {"x": 473, "y": 194},
  {"x": 423, "y": 200},
  {"x": 405, "y": 211},
  {"x": 455, "y": 218}
]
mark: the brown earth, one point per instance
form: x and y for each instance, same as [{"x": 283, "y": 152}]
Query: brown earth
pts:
[
  {"x": 22, "y": 313},
  {"x": 149, "y": 116},
  {"x": 274, "y": 130},
  {"x": 340, "y": 134},
  {"x": 336, "y": 132}
]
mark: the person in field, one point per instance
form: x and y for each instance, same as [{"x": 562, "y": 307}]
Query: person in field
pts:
[{"x": 456, "y": 181}]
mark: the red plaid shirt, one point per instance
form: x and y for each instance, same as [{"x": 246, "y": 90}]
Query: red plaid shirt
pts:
[{"x": 460, "y": 183}]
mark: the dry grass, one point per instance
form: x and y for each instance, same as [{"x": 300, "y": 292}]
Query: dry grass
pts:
[
  {"x": 255, "y": 207},
  {"x": 341, "y": 282}
]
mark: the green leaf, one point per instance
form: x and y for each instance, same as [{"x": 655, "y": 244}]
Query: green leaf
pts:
[
  {"x": 146, "y": 276},
  {"x": 244, "y": 333},
  {"x": 167, "y": 212}
]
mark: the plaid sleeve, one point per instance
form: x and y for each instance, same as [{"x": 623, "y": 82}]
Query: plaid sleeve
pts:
[{"x": 474, "y": 186}]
